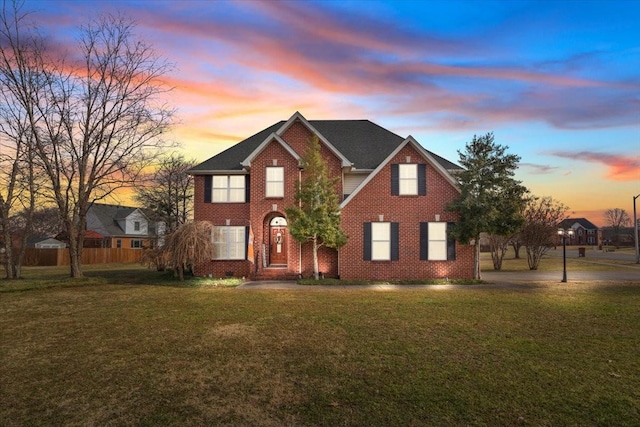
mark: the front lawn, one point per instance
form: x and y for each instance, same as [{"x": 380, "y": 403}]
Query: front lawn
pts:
[{"x": 137, "y": 354}]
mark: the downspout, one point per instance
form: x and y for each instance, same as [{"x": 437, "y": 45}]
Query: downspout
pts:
[{"x": 299, "y": 243}]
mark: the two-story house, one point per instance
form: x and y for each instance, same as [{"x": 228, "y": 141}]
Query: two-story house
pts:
[
  {"x": 584, "y": 231},
  {"x": 114, "y": 226},
  {"x": 394, "y": 195}
]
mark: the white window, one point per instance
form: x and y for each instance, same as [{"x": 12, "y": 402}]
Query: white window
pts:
[
  {"x": 136, "y": 244},
  {"x": 380, "y": 241},
  {"x": 227, "y": 188},
  {"x": 228, "y": 242},
  {"x": 437, "y": 241},
  {"x": 275, "y": 181},
  {"x": 136, "y": 225},
  {"x": 408, "y": 177}
]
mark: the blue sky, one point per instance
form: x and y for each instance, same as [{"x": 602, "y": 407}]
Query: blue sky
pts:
[{"x": 556, "y": 81}]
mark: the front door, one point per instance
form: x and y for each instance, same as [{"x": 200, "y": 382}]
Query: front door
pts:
[{"x": 278, "y": 246}]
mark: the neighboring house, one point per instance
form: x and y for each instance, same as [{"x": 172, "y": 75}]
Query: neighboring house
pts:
[
  {"x": 113, "y": 226},
  {"x": 624, "y": 236},
  {"x": 45, "y": 243},
  {"x": 584, "y": 231},
  {"x": 394, "y": 195}
]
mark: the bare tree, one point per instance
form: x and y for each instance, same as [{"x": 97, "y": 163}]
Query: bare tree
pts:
[
  {"x": 542, "y": 216},
  {"x": 498, "y": 245},
  {"x": 190, "y": 244},
  {"x": 617, "y": 219},
  {"x": 17, "y": 166},
  {"x": 167, "y": 192},
  {"x": 96, "y": 122}
]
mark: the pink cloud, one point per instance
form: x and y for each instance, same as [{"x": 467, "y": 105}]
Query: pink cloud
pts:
[{"x": 620, "y": 167}]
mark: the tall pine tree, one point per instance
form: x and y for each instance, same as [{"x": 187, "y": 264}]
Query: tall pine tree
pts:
[
  {"x": 316, "y": 216},
  {"x": 491, "y": 200}
]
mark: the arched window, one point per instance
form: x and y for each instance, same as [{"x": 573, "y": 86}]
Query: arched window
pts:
[{"x": 278, "y": 222}]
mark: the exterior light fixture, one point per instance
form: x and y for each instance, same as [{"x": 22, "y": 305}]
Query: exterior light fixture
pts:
[{"x": 564, "y": 233}]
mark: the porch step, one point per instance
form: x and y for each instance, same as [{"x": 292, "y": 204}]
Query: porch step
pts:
[{"x": 275, "y": 274}]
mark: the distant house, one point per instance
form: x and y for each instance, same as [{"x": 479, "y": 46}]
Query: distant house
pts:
[
  {"x": 394, "y": 196},
  {"x": 114, "y": 226},
  {"x": 584, "y": 231},
  {"x": 45, "y": 243}
]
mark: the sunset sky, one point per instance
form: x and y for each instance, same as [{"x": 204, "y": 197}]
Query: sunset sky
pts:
[{"x": 556, "y": 81}]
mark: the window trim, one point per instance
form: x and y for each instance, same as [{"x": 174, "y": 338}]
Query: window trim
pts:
[
  {"x": 403, "y": 168},
  {"x": 421, "y": 180},
  {"x": 280, "y": 182},
  {"x": 241, "y": 231},
  {"x": 450, "y": 243},
  {"x": 209, "y": 188},
  {"x": 394, "y": 247}
]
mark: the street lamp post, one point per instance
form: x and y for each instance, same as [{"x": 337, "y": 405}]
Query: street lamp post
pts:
[
  {"x": 635, "y": 229},
  {"x": 564, "y": 233}
]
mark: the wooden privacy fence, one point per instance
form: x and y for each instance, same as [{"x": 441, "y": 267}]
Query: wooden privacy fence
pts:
[{"x": 55, "y": 257}]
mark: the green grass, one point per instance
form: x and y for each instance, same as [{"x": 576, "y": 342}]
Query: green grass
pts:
[
  {"x": 592, "y": 262},
  {"x": 132, "y": 274},
  {"x": 117, "y": 350}
]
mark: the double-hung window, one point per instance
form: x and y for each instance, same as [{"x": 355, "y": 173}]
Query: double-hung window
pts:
[
  {"x": 228, "y": 188},
  {"x": 381, "y": 241},
  {"x": 229, "y": 242},
  {"x": 435, "y": 243},
  {"x": 408, "y": 179},
  {"x": 275, "y": 181}
]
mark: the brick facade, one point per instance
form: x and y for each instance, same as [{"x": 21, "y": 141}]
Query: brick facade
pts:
[{"x": 372, "y": 200}]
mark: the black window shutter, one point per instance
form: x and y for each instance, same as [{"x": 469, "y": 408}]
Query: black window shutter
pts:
[
  {"x": 247, "y": 188},
  {"x": 451, "y": 244},
  {"x": 395, "y": 241},
  {"x": 422, "y": 179},
  {"x": 395, "y": 179},
  {"x": 208, "y": 179},
  {"x": 424, "y": 241},
  {"x": 366, "y": 238}
]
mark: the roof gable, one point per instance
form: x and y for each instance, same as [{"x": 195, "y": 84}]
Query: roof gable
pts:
[
  {"x": 273, "y": 137},
  {"x": 424, "y": 153},
  {"x": 299, "y": 117},
  {"x": 104, "y": 218}
]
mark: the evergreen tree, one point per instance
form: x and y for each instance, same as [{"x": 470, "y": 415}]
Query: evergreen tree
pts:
[
  {"x": 316, "y": 216},
  {"x": 491, "y": 200}
]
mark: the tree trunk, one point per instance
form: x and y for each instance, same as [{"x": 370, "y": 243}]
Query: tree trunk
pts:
[
  {"x": 8, "y": 256},
  {"x": 316, "y": 273},
  {"x": 516, "y": 249}
]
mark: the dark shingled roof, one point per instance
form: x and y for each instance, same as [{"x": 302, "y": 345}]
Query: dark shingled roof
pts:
[
  {"x": 361, "y": 141},
  {"x": 102, "y": 218},
  {"x": 585, "y": 223}
]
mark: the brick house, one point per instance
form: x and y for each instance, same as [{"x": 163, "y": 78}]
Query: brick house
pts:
[
  {"x": 394, "y": 195},
  {"x": 584, "y": 232}
]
